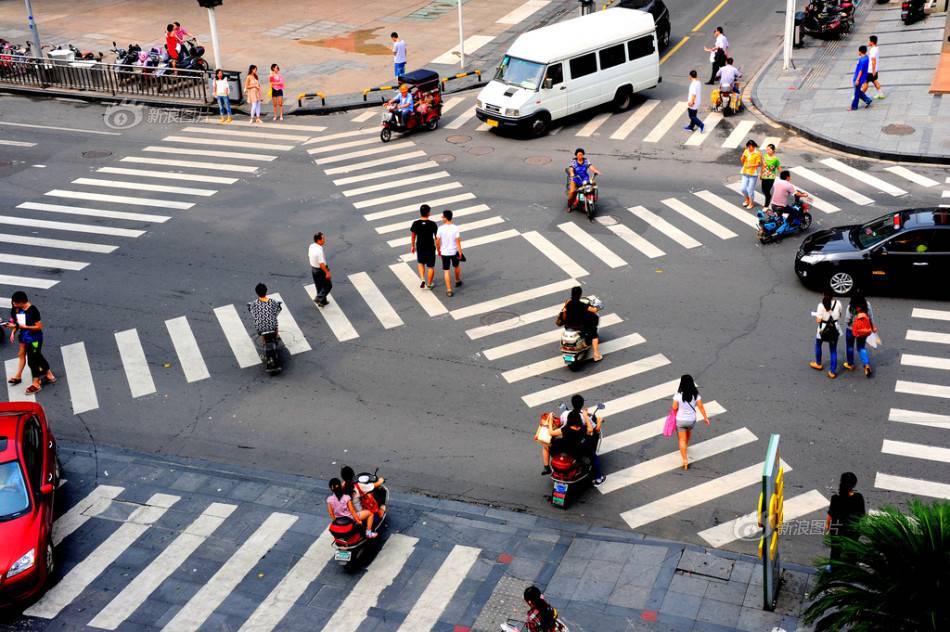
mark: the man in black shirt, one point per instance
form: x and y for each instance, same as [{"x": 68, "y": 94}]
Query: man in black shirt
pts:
[
  {"x": 26, "y": 322},
  {"x": 423, "y": 245},
  {"x": 582, "y": 317}
]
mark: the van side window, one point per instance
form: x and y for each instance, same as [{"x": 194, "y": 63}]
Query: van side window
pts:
[
  {"x": 640, "y": 47},
  {"x": 555, "y": 73},
  {"x": 583, "y": 65},
  {"x": 612, "y": 56}
]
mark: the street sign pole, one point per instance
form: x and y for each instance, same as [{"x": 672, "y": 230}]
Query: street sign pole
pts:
[
  {"x": 214, "y": 38},
  {"x": 37, "y": 50},
  {"x": 771, "y": 515},
  {"x": 789, "y": 41},
  {"x": 461, "y": 38}
]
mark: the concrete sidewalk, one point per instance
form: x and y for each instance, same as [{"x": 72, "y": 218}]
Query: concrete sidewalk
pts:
[{"x": 813, "y": 98}]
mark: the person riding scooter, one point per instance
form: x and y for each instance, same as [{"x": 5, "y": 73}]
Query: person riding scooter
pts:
[
  {"x": 582, "y": 317},
  {"x": 579, "y": 436},
  {"x": 727, "y": 76},
  {"x": 579, "y": 172},
  {"x": 404, "y": 105},
  {"x": 784, "y": 194},
  {"x": 264, "y": 311}
]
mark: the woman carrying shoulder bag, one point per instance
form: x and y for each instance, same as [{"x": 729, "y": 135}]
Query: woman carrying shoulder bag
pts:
[
  {"x": 860, "y": 327},
  {"x": 827, "y": 315}
]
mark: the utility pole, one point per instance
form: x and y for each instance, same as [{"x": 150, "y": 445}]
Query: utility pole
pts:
[
  {"x": 789, "y": 41},
  {"x": 461, "y": 38},
  {"x": 210, "y": 5},
  {"x": 37, "y": 50}
]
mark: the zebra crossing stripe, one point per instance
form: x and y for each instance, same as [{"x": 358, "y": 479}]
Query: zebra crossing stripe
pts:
[
  {"x": 921, "y": 388},
  {"x": 590, "y": 243},
  {"x": 916, "y": 335},
  {"x": 365, "y": 116},
  {"x": 210, "y": 153},
  {"x": 405, "y": 224},
  {"x": 915, "y": 486},
  {"x": 641, "y": 397},
  {"x": 243, "y": 348},
  {"x": 676, "y": 112},
  {"x": 932, "y": 420},
  {"x": 22, "y": 281},
  {"x": 394, "y": 184},
  {"x": 935, "y": 314},
  {"x": 730, "y": 209},
  {"x": 635, "y": 118},
  {"x": 441, "y": 588},
  {"x": 845, "y": 192},
  {"x": 739, "y": 133},
  {"x": 926, "y": 362},
  {"x": 359, "y": 166},
  {"x": 278, "y": 603},
  {"x": 626, "y": 438},
  {"x": 593, "y": 125},
  {"x": 414, "y": 207},
  {"x": 386, "y": 173},
  {"x": 16, "y": 143},
  {"x": 426, "y": 299},
  {"x": 863, "y": 176},
  {"x": 70, "y": 226},
  {"x": 532, "y": 342},
  {"x": 470, "y": 243},
  {"x": 290, "y": 332},
  {"x": 336, "y": 320},
  {"x": 325, "y": 149},
  {"x": 461, "y": 119},
  {"x": 351, "y": 134},
  {"x": 93, "y": 212},
  {"x": 601, "y": 378},
  {"x": 468, "y": 226},
  {"x": 375, "y": 300},
  {"x": 15, "y": 391},
  {"x": 159, "y": 569},
  {"x": 553, "y": 364},
  {"x": 555, "y": 254},
  {"x": 205, "y": 601},
  {"x": 211, "y": 120},
  {"x": 134, "y": 363},
  {"x": 657, "y": 222},
  {"x": 119, "y": 199},
  {"x": 697, "y": 137},
  {"x": 380, "y": 575},
  {"x": 916, "y": 450},
  {"x": 385, "y": 148},
  {"x": 221, "y": 131},
  {"x": 147, "y": 173},
  {"x": 513, "y": 323},
  {"x": 82, "y": 390},
  {"x": 625, "y": 233},
  {"x": 696, "y": 217},
  {"x": 217, "y": 142},
  {"x": 916, "y": 178},
  {"x": 190, "y": 164},
  {"x": 671, "y": 460},
  {"x": 189, "y": 355},
  {"x": 771, "y": 140},
  {"x": 695, "y": 496},
  {"x": 513, "y": 299},
  {"x": 450, "y": 103},
  {"x": 86, "y": 571},
  {"x": 405, "y": 195},
  {"x": 79, "y": 514},
  {"x": 61, "y": 244},
  {"x": 747, "y": 527},
  {"x": 141, "y": 186}
]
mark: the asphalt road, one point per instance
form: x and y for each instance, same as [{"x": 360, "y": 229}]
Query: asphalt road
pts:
[{"x": 423, "y": 400}]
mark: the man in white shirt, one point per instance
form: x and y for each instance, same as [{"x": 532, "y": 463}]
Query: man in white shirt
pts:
[
  {"x": 727, "y": 76},
  {"x": 399, "y": 55},
  {"x": 718, "y": 53},
  {"x": 319, "y": 270},
  {"x": 448, "y": 243},
  {"x": 693, "y": 102},
  {"x": 873, "y": 54}
]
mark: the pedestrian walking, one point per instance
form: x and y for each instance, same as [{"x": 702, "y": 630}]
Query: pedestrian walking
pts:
[
  {"x": 276, "y": 81},
  {"x": 423, "y": 232},
  {"x": 859, "y": 328},
  {"x": 770, "y": 168},
  {"x": 860, "y": 79},
  {"x": 827, "y": 315},
  {"x": 17, "y": 377},
  {"x": 28, "y": 325},
  {"x": 448, "y": 243},
  {"x": 686, "y": 403},
  {"x": 718, "y": 53},
  {"x": 846, "y": 508},
  {"x": 252, "y": 92},
  {"x": 399, "y": 55},
  {"x": 751, "y": 165},
  {"x": 322, "y": 279},
  {"x": 222, "y": 92},
  {"x": 694, "y": 100},
  {"x": 874, "y": 53}
]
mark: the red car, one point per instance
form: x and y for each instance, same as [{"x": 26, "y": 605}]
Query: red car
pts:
[{"x": 29, "y": 475}]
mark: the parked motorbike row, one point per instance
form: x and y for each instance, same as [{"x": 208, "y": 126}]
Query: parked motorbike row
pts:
[
  {"x": 828, "y": 19},
  {"x": 155, "y": 60}
]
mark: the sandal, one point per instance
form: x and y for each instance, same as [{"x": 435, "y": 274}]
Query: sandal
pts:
[
  {"x": 14, "y": 381},
  {"x": 33, "y": 388},
  {"x": 48, "y": 380}
]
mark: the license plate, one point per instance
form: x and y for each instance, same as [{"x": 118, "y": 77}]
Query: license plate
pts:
[
  {"x": 557, "y": 501},
  {"x": 491, "y": 123},
  {"x": 568, "y": 358},
  {"x": 561, "y": 488},
  {"x": 343, "y": 556}
]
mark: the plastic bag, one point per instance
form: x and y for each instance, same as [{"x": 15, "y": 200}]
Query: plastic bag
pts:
[
  {"x": 670, "y": 426},
  {"x": 874, "y": 341}
]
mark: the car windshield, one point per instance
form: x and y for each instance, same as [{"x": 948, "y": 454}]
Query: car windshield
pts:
[
  {"x": 875, "y": 231},
  {"x": 520, "y": 72},
  {"x": 14, "y": 499}
]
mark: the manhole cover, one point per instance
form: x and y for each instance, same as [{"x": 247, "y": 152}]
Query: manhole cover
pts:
[
  {"x": 537, "y": 160},
  {"x": 92, "y": 154},
  {"x": 493, "y": 318},
  {"x": 480, "y": 151},
  {"x": 440, "y": 158},
  {"x": 898, "y": 129},
  {"x": 458, "y": 139}
]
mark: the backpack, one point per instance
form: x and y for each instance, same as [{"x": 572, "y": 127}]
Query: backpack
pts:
[
  {"x": 829, "y": 329},
  {"x": 861, "y": 325}
]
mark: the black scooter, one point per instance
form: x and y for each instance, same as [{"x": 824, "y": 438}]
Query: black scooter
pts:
[
  {"x": 912, "y": 11},
  {"x": 822, "y": 24},
  {"x": 190, "y": 57},
  {"x": 269, "y": 350}
]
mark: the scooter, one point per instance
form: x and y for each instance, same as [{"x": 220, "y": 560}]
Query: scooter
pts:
[
  {"x": 269, "y": 350},
  {"x": 574, "y": 347},
  {"x": 190, "y": 57},
  {"x": 587, "y": 195},
  {"x": 568, "y": 473},
  {"x": 912, "y": 11},
  {"x": 126, "y": 56},
  {"x": 85, "y": 55},
  {"x": 823, "y": 24},
  {"x": 349, "y": 537},
  {"x": 772, "y": 227}
]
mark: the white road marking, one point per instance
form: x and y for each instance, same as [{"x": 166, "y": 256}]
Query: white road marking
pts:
[
  {"x": 555, "y": 254},
  {"x": 82, "y": 390},
  {"x": 513, "y": 323},
  {"x": 379, "y": 576},
  {"x": 374, "y": 151},
  {"x": 636, "y": 434},
  {"x": 698, "y": 137},
  {"x": 657, "y": 222},
  {"x": 61, "y": 244},
  {"x": 513, "y": 299},
  {"x": 388, "y": 161},
  {"x": 42, "y": 262},
  {"x": 394, "y": 184},
  {"x": 338, "y": 135},
  {"x": 635, "y": 118},
  {"x": 916, "y": 450},
  {"x": 29, "y": 222},
  {"x": 545, "y": 338},
  {"x": 590, "y": 243},
  {"x": 239, "y": 133},
  {"x": 935, "y": 314},
  {"x": 271, "y": 124},
  {"x": 61, "y": 129},
  {"x": 377, "y": 303},
  {"x": 441, "y": 588},
  {"x": 405, "y": 224},
  {"x": 557, "y": 362},
  {"x": 16, "y": 143},
  {"x": 914, "y": 486},
  {"x": 696, "y": 217},
  {"x": 414, "y": 208},
  {"x": 450, "y": 103},
  {"x": 189, "y": 355},
  {"x": 921, "y": 388},
  {"x": 147, "y": 173},
  {"x": 325, "y": 149},
  {"x": 365, "y": 116},
  {"x": 242, "y": 346},
  {"x": 671, "y": 461},
  {"x": 863, "y": 176},
  {"x": 210, "y": 153},
  {"x": 136, "y": 591},
  {"x": 926, "y": 362},
  {"x": 290, "y": 332},
  {"x": 134, "y": 363},
  {"x": 641, "y": 397},
  {"x": 593, "y": 125},
  {"x": 426, "y": 298},
  {"x": 916, "y": 178},
  {"x": 517, "y": 16},
  {"x": 484, "y": 127},
  {"x": 406, "y": 195},
  {"x": 747, "y": 526},
  {"x": 15, "y": 393},
  {"x": 730, "y": 209},
  {"x": 337, "y": 321},
  {"x": 216, "y": 142},
  {"x": 10, "y": 279},
  {"x": 770, "y": 140},
  {"x": 89, "y": 507},
  {"x": 141, "y": 186},
  {"x": 587, "y": 382},
  {"x": 470, "y": 243},
  {"x": 845, "y": 192},
  {"x": 206, "y": 601},
  {"x": 461, "y": 119},
  {"x": 85, "y": 572},
  {"x": 739, "y": 134},
  {"x": 932, "y": 420},
  {"x": 190, "y": 164},
  {"x": 676, "y": 112},
  {"x": 386, "y": 173},
  {"x": 625, "y": 233},
  {"x": 468, "y": 226},
  {"x": 917, "y": 335},
  {"x": 119, "y": 199},
  {"x": 471, "y": 44},
  {"x": 694, "y": 496}
]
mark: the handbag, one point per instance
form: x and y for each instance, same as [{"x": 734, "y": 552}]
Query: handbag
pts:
[
  {"x": 670, "y": 426},
  {"x": 559, "y": 321},
  {"x": 543, "y": 433}
]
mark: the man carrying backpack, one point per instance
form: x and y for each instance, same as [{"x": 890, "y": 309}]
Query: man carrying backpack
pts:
[{"x": 860, "y": 327}]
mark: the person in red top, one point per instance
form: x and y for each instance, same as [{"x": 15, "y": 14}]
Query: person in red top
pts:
[
  {"x": 171, "y": 44},
  {"x": 542, "y": 616}
]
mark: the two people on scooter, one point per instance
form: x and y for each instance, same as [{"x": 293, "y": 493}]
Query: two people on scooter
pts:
[
  {"x": 340, "y": 504},
  {"x": 579, "y": 172},
  {"x": 582, "y": 317},
  {"x": 366, "y": 496},
  {"x": 264, "y": 311},
  {"x": 578, "y": 435}
]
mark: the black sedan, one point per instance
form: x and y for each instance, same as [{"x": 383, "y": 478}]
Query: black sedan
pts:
[
  {"x": 901, "y": 250},
  {"x": 661, "y": 17}
]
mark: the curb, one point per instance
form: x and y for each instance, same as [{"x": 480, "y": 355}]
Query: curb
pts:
[{"x": 322, "y": 110}]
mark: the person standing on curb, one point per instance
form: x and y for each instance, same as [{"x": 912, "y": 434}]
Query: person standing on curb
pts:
[
  {"x": 252, "y": 90},
  {"x": 448, "y": 243},
  {"x": 770, "y": 168},
  {"x": 846, "y": 508},
  {"x": 827, "y": 315},
  {"x": 751, "y": 165},
  {"x": 171, "y": 45},
  {"x": 694, "y": 101},
  {"x": 423, "y": 232},
  {"x": 276, "y": 91},
  {"x": 860, "y": 326},
  {"x": 686, "y": 402},
  {"x": 222, "y": 92},
  {"x": 860, "y": 80},
  {"x": 318, "y": 269},
  {"x": 29, "y": 325},
  {"x": 399, "y": 55},
  {"x": 717, "y": 54},
  {"x": 874, "y": 54}
]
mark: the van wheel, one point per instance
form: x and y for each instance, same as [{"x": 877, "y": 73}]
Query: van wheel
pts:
[
  {"x": 665, "y": 38},
  {"x": 539, "y": 125},
  {"x": 623, "y": 99}
]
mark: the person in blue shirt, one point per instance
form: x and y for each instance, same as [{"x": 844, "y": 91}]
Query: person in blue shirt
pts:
[
  {"x": 860, "y": 79},
  {"x": 404, "y": 104},
  {"x": 579, "y": 171}
]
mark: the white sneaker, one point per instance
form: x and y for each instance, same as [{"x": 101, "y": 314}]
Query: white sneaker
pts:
[{"x": 879, "y": 96}]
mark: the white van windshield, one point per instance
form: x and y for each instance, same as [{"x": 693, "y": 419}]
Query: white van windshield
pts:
[{"x": 520, "y": 72}]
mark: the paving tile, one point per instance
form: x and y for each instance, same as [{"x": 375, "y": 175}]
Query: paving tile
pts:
[
  {"x": 681, "y": 605},
  {"x": 757, "y": 620},
  {"x": 725, "y": 614},
  {"x": 636, "y": 575},
  {"x": 629, "y": 596},
  {"x": 689, "y": 585}
]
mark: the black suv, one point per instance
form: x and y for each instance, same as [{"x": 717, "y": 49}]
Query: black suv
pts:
[{"x": 661, "y": 17}]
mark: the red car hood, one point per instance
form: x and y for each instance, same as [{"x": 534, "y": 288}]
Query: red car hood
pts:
[{"x": 18, "y": 536}]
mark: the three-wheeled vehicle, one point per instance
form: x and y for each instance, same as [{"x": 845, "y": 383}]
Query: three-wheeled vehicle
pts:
[{"x": 425, "y": 88}]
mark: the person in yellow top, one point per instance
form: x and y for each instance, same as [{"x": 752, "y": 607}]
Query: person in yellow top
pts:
[{"x": 751, "y": 165}]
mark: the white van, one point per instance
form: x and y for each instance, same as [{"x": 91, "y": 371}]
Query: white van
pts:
[{"x": 572, "y": 66}]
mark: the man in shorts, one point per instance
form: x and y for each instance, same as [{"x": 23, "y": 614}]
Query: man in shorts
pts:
[
  {"x": 448, "y": 243},
  {"x": 423, "y": 245},
  {"x": 874, "y": 53}
]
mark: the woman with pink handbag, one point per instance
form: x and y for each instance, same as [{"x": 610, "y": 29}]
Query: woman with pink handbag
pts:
[{"x": 686, "y": 402}]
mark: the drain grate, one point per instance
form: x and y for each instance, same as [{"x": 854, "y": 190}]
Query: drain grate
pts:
[
  {"x": 440, "y": 158},
  {"x": 480, "y": 150},
  {"x": 458, "y": 139},
  {"x": 94, "y": 154}
]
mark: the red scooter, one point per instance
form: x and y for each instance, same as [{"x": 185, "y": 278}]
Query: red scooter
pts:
[{"x": 349, "y": 537}]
